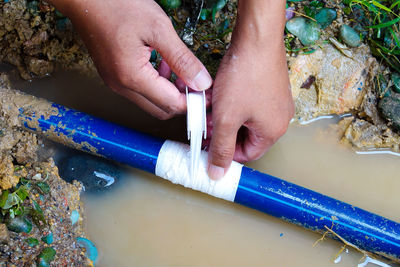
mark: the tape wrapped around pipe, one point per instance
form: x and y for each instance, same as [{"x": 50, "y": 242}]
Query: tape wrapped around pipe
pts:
[{"x": 173, "y": 164}]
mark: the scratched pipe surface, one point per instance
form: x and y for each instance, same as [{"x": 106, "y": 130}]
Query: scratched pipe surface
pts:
[{"x": 274, "y": 196}]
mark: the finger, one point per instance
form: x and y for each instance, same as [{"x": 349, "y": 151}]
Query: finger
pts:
[
  {"x": 145, "y": 104},
  {"x": 251, "y": 146},
  {"x": 164, "y": 70},
  {"x": 180, "y": 84},
  {"x": 159, "y": 90},
  {"x": 222, "y": 148},
  {"x": 181, "y": 60}
]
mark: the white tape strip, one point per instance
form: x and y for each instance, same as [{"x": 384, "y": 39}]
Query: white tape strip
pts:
[{"x": 173, "y": 164}]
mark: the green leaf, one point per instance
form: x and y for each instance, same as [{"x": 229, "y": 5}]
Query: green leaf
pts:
[
  {"x": 12, "y": 199},
  {"x": 32, "y": 241},
  {"x": 37, "y": 214},
  {"x": 22, "y": 193},
  {"x": 385, "y": 24},
  {"x": 44, "y": 187},
  {"x": 3, "y": 198}
]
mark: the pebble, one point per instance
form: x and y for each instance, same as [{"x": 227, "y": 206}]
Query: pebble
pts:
[
  {"x": 96, "y": 174},
  {"x": 48, "y": 239},
  {"x": 91, "y": 250},
  {"x": 289, "y": 13},
  {"x": 325, "y": 17},
  {"x": 306, "y": 30},
  {"x": 4, "y": 235},
  {"x": 350, "y": 36},
  {"x": 389, "y": 108},
  {"x": 32, "y": 242},
  {"x": 19, "y": 224},
  {"x": 396, "y": 81},
  {"x": 46, "y": 257},
  {"x": 170, "y": 4},
  {"x": 74, "y": 217}
]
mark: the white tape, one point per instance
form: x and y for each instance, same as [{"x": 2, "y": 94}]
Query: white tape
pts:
[{"x": 173, "y": 164}]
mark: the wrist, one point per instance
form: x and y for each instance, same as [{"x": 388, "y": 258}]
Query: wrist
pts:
[{"x": 260, "y": 23}]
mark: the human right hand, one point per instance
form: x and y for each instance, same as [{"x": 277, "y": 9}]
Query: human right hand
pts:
[{"x": 120, "y": 36}]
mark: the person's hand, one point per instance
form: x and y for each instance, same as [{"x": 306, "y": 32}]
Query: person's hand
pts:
[
  {"x": 251, "y": 99},
  {"x": 120, "y": 35}
]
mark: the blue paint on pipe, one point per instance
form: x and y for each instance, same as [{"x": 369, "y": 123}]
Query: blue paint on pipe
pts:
[
  {"x": 315, "y": 211},
  {"x": 256, "y": 190},
  {"x": 98, "y": 136}
]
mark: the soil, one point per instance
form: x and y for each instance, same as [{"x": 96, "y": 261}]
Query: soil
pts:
[{"x": 20, "y": 164}]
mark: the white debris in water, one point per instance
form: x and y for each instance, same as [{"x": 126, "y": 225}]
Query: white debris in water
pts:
[
  {"x": 377, "y": 151},
  {"x": 37, "y": 177},
  {"x": 373, "y": 261},
  {"x": 110, "y": 180},
  {"x": 316, "y": 119},
  {"x": 338, "y": 259}
]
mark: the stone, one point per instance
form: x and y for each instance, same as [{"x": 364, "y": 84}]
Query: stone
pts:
[
  {"x": 325, "y": 17},
  {"x": 4, "y": 235},
  {"x": 350, "y": 36},
  {"x": 170, "y": 4},
  {"x": 338, "y": 82},
  {"x": 389, "y": 108},
  {"x": 396, "y": 81},
  {"x": 289, "y": 13},
  {"x": 46, "y": 257},
  {"x": 32, "y": 242},
  {"x": 48, "y": 239},
  {"x": 306, "y": 30},
  {"x": 19, "y": 225},
  {"x": 74, "y": 217},
  {"x": 94, "y": 173},
  {"x": 90, "y": 249}
]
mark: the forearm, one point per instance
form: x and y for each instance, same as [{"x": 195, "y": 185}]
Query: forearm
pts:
[{"x": 260, "y": 22}]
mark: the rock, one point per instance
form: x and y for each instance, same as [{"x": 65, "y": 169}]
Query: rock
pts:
[
  {"x": 389, "y": 108},
  {"x": 46, "y": 256},
  {"x": 95, "y": 173},
  {"x": 396, "y": 81},
  {"x": 48, "y": 239},
  {"x": 19, "y": 224},
  {"x": 4, "y": 235},
  {"x": 306, "y": 30},
  {"x": 39, "y": 67},
  {"x": 91, "y": 250},
  {"x": 170, "y": 4},
  {"x": 289, "y": 13},
  {"x": 338, "y": 81},
  {"x": 7, "y": 177},
  {"x": 325, "y": 17},
  {"x": 74, "y": 217},
  {"x": 350, "y": 36},
  {"x": 32, "y": 242}
]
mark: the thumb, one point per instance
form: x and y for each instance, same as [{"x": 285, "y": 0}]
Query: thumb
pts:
[
  {"x": 181, "y": 60},
  {"x": 222, "y": 149}
]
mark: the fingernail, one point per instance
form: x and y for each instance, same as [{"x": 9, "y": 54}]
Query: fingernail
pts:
[
  {"x": 203, "y": 80},
  {"x": 215, "y": 172}
]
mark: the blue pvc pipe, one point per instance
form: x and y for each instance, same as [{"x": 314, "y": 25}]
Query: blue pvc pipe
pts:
[{"x": 260, "y": 191}]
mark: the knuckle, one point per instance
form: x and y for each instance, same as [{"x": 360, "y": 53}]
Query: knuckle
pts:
[
  {"x": 221, "y": 154},
  {"x": 183, "y": 61},
  {"x": 160, "y": 24},
  {"x": 225, "y": 122},
  {"x": 163, "y": 116}
]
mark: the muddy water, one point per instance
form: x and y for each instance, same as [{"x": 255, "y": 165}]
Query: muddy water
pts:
[{"x": 145, "y": 221}]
